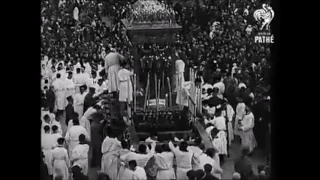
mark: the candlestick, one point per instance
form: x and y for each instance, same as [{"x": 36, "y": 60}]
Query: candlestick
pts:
[
  {"x": 146, "y": 93},
  {"x": 170, "y": 95},
  {"x": 156, "y": 90},
  {"x": 135, "y": 93}
]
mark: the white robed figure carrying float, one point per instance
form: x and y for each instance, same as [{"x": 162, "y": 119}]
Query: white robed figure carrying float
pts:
[{"x": 110, "y": 149}]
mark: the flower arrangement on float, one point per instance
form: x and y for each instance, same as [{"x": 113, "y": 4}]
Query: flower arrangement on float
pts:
[{"x": 146, "y": 11}]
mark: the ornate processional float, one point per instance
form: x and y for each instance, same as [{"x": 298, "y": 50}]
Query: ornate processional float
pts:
[{"x": 157, "y": 105}]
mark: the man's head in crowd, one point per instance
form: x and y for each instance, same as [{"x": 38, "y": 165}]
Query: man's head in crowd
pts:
[
  {"x": 70, "y": 75},
  {"x": 47, "y": 118},
  {"x": 125, "y": 144},
  {"x": 78, "y": 70},
  {"x": 92, "y": 90},
  {"x": 142, "y": 149},
  {"x": 82, "y": 139},
  {"x": 76, "y": 122},
  {"x": 58, "y": 75},
  {"x": 100, "y": 82},
  {"x": 207, "y": 168},
  {"x": 93, "y": 74},
  {"x": 54, "y": 129},
  {"x": 183, "y": 146},
  {"x": 83, "y": 88},
  {"x": 46, "y": 129},
  {"x": 132, "y": 164},
  {"x": 60, "y": 141}
]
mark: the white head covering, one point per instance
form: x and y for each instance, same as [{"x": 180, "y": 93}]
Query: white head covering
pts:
[
  {"x": 180, "y": 65},
  {"x": 242, "y": 85},
  {"x": 236, "y": 176}
]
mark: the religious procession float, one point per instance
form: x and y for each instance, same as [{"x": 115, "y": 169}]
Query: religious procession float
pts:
[{"x": 150, "y": 26}]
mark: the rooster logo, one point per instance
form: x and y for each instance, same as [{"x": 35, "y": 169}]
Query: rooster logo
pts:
[{"x": 265, "y": 15}]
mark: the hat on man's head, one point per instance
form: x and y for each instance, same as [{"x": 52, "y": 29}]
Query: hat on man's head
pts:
[
  {"x": 69, "y": 98},
  {"x": 83, "y": 86},
  {"x": 92, "y": 88},
  {"x": 75, "y": 169}
]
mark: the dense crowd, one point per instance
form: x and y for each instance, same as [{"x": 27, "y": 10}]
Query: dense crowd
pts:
[{"x": 216, "y": 38}]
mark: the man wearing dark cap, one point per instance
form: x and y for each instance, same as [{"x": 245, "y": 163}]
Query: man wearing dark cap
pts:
[
  {"x": 262, "y": 120},
  {"x": 50, "y": 96},
  {"x": 77, "y": 174},
  {"x": 69, "y": 109},
  {"x": 89, "y": 99}
]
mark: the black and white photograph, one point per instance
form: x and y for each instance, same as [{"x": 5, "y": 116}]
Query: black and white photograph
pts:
[{"x": 156, "y": 89}]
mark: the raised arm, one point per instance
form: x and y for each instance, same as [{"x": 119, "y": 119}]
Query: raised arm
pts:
[{"x": 172, "y": 148}]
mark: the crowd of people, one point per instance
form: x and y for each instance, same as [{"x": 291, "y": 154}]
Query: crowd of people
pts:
[{"x": 82, "y": 59}]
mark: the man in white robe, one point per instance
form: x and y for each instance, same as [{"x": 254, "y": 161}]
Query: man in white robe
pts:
[
  {"x": 72, "y": 135},
  {"x": 210, "y": 158},
  {"x": 164, "y": 162},
  {"x": 144, "y": 154},
  {"x": 246, "y": 128},
  {"x": 79, "y": 155},
  {"x": 229, "y": 113},
  {"x": 60, "y": 161},
  {"x": 100, "y": 87},
  {"x": 79, "y": 101},
  {"x": 92, "y": 81},
  {"x": 219, "y": 122},
  {"x": 110, "y": 149},
  {"x": 59, "y": 88},
  {"x": 55, "y": 135},
  {"x": 138, "y": 172},
  {"x": 47, "y": 143},
  {"x": 240, "y": 112},
  {"x": 125, "y": 85},
  {"x": 79, "y": 79},
  {"x": 220, "y": 85},
  {"x": 112, "y": 66},
  {"x": 70, "y": 86},
  {"x": 184, "y": 159}
]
